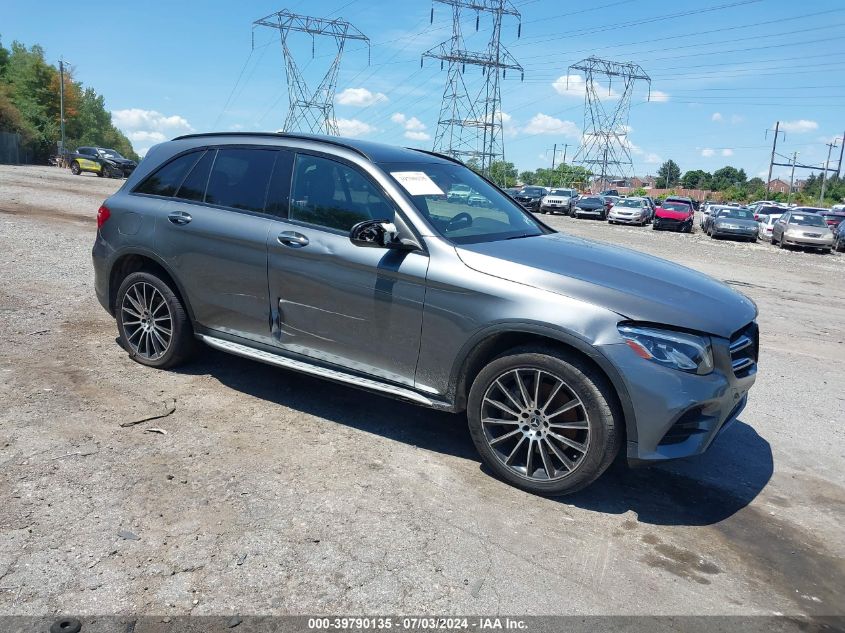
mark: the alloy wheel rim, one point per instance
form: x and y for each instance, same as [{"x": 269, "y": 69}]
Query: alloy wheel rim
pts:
[
  {"x": 535, "y": 424},
  {"x": 147, "y": 321}
]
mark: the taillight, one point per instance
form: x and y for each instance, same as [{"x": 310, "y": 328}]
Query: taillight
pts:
[{"x": 103, "y": 214}]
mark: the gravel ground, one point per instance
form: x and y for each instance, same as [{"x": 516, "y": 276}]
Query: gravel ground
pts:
[{"x": 276, "y": 493}]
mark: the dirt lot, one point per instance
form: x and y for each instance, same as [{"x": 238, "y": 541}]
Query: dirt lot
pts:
[{"x": 275, "y": 493}]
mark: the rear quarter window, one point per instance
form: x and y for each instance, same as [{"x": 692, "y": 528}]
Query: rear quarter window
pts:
[{"x": 166, "y": 180}]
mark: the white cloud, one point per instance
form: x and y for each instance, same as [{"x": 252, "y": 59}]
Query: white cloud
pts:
[
  {"x": 354, "y": 127},
  {"x": 360, "y": 97},
  {"x": 717, "y": 116},
  {"x": 799, "y": 126},
  {"x": 417, "y": 136},
  {"x": 544, "y": 124},
  {"x": 575, "y": 86},
  {"x": 653, "y": 159},
  {"x": 397, "y": 117},
  {"x": 414, "y": 124},
  {"x": 136, "y": 119},
  {"x": 144, "y": 136},
  {"x": 736, "y": 118},
  {"x": 727, "y": 152},
  {"x": 707, "y": 152},
  {"x": 659, "y": 96}
]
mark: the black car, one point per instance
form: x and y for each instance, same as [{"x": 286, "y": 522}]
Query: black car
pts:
[
  {"x": 102, "y": 161},
  {"x": 839, "y": 238},
  {"x": 592, "y": 207},
  {"x": 530, "y": 197}
]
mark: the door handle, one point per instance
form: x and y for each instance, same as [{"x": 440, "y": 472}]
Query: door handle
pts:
[
  {"x": 292, "y": 239},
  {"x": 179, "y": 218}
]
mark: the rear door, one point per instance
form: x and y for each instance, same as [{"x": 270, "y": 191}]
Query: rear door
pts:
[
  {"x": 359, "y": 308},
  {"x": 212, "y": 231}
]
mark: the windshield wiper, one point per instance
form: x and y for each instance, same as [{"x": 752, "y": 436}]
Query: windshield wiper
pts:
[{"x": 519, "y": 237}]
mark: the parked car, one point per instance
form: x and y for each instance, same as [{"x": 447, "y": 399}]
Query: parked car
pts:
[
  {"x": 713, "y": 211},
  {"x": 630, "y": 211},
  {"x": 806, "y": 230},
  {"x": 811, "y": 209},
  {"x": 610, "y": 192},
  {"x": 612, "y": 200},
  {"x": 761, "y": 210},
  {"x": 559, "y": 201},
  {"x": 736, "y": 223},
  {"x": 675, "y": 215},
  {"x": 651, "y": 205},
  {"x": 530, "y": 197},
  {"x": 104, "y": 162},
  {"x": 833, "y": 218},
  {"x": 839, "y": 238},
  {"x": 592, "y": 207},
  {"x": 765, "y": 226},
  {"x": 512, "y": 191},
  {"x": 340, "y": 259},
  {"x": 459, "y": 194},
  {"x": 477, "y": 200}
]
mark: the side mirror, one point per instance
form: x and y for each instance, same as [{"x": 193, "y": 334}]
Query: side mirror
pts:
[{"x": 379, "y": 234}]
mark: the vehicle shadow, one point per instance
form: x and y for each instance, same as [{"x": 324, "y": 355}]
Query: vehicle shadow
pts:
[{"x": 697, "y": 491}]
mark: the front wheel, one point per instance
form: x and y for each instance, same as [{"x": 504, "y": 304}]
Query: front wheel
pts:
[
  {"x": 543, "y": 421},
  {"x": 152, "y": 322},
  {"x": 74, "y": 168}
]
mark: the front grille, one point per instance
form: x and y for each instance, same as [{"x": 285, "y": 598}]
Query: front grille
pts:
[{"x": 744, "y": 348}]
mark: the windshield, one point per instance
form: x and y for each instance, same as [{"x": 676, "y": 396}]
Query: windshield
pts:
[
  {"x": 591, "y": 200},
  {"x": 562, "y": 192},
  {"x": 736, "y": 214},
  {"x": 487, "y": 216},
  {"x": 809, "y": 219},
  {"x": 109, "y": 153},
  {"x": 811, "y": 210},
  {"x": 533, "y": 191},
  {"x": 675, "y": 206},
  {"x": 630, "y": 203}
]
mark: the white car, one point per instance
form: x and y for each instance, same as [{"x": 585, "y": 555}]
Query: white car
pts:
[
  {"x": 767, "y": 222},
  {"x": 630, "y": 211}
]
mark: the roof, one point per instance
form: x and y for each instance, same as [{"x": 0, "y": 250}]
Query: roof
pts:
[{"x": 376, "y": 152}]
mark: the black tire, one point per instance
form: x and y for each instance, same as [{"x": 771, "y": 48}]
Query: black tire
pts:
[
  {"x": 181, "y": 344},
  {"x": 581, "y": 381},
  {"x": 654, "y": 227},
  {"x": 74, "y": 168},
  {"x": 781, "y": 244},
  {"x": 102, "y": 172}
]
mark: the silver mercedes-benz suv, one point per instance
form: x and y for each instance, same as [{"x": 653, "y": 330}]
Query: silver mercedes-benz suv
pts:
[{"x": 344, "y": 259}]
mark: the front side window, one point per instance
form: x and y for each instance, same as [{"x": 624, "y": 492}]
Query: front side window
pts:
[
  {"x": 166, "y": 181},
  {"x": 239, "y": 178},
  {"x": 487, "y": 215},
  {"x": 333, "y": 195}
]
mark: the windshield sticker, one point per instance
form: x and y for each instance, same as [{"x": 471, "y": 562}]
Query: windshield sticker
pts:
[{"x": 417, "y": 183}]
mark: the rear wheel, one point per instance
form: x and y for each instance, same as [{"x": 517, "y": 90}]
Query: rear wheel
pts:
[
  {"x": 543, "y": 421},
  {"x": 152, "y": 322}
]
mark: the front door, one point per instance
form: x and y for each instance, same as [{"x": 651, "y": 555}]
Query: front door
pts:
[{"x": 359, "y": 308}]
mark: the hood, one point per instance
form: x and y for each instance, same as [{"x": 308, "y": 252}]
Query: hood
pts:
[
  {"x": 636, "y": 286},
  {"x": 660, "y": 212}
]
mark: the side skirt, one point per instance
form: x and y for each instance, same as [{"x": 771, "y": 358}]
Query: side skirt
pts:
[{"x": 335, "y": 375}]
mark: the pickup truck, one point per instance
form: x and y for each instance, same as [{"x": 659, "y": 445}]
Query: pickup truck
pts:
[{"x": 107, "y": 163}]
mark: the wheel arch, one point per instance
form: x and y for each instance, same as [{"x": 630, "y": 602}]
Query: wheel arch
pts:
[
  {"x": 134, "y": 261},
  {"x": 488, "y": 344}
]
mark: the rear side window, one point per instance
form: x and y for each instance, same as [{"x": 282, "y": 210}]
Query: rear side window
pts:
[
  {"x": 239, "y": 178},
  {"x": 193, "y": 187},
  {"x": 166, "y": 181}
]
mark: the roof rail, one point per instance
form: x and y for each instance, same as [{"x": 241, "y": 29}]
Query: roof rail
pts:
[
  {"x": 304, "y": 137},
  {"x": 437, "y": 154}
]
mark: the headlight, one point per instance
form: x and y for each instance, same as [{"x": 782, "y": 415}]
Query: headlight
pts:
[{"x": 686, "y": 352}]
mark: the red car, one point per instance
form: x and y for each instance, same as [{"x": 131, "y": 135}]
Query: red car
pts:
[
  {"x": 833, "y": 219},
  {"x": 675, "y": 214}
]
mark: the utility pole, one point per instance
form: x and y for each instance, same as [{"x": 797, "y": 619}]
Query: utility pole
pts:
[
  {"x": 774, "y": 147},
  {"x": 565, "y": 147},
  {"x": 830, "y": 147},
  {"x": 841, "y": 151},
  {"x": 62, "y": 105},
  {"x": 311, "y": 110},
  {"x": 791, "y": 177}
]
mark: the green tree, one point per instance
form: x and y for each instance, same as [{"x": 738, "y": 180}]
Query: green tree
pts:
[
  {"x": 668, "y": 175},
  {"x": 727, "y": 177},
  {"x": 503, "y": 173},
  {"x": 527, "y": 178},
  {"x": 696, "y": 179},
  {"x": 639, "y": 191}
]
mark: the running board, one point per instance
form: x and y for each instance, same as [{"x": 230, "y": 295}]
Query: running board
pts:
[{"x": 321, "y": 372}]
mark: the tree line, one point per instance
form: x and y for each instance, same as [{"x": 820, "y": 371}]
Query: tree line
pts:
[{"x": 29, "y": 105}]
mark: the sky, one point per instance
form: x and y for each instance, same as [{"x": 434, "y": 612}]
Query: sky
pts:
[{"x": 723, "y": 72}]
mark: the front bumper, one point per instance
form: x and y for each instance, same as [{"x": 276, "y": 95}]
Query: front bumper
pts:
[
  {"x": 743, "y": 233},
  {"x": 679, "y": 414},
  {"x": 671, "y": 224},
  {"x": 591, "y": 212},
  {"x": 554, "y": 206},
  {"x": 814, "y": 242},
  {"x": 627, "y": 219}
]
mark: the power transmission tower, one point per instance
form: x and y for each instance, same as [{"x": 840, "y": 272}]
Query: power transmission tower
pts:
[
  {"x": 470, "y": 123},
  {"x": 311, "y": 110},
  {"x": 604, "y": 145}
]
